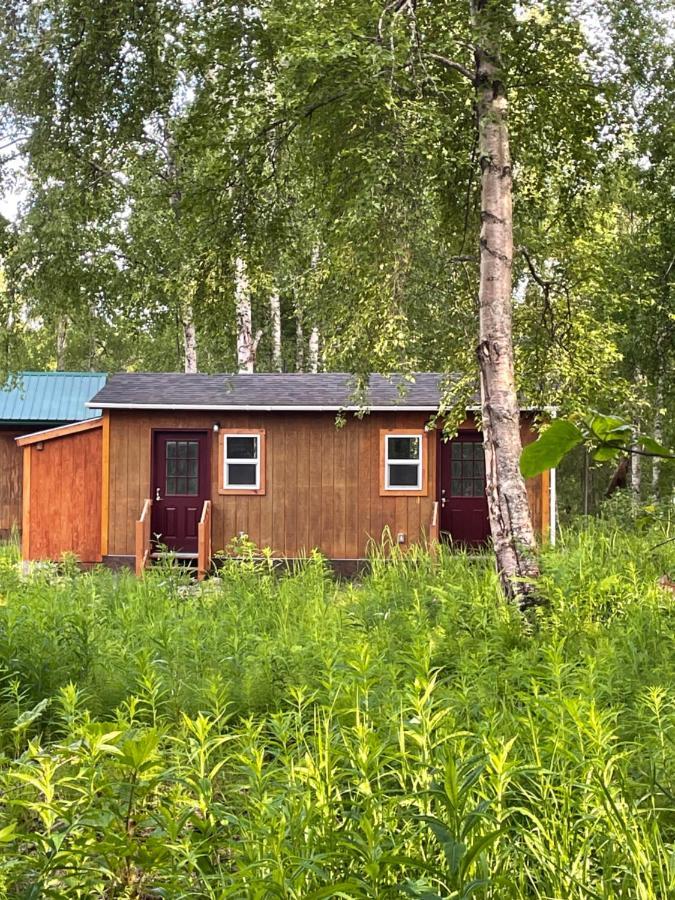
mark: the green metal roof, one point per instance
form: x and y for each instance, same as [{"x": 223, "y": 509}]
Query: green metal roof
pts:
[{"x": 49, "y": 397}]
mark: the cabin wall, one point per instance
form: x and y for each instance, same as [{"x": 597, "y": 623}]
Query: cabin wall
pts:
[
  {"x": 62, "y": 487},
  {"x": 322, "y": 485},
  {"x": 11, "y": 472},
  {"x": 323, "y": 482}
]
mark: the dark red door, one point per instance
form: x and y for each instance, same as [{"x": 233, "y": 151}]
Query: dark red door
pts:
[
  {"x": 464, "y": 513},
  {"x": 180, "y": 484}
]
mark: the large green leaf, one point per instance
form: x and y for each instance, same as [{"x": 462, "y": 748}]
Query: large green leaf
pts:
[
  {"x": 546, "y": 452},
  {"x": 651, "y": 446}
]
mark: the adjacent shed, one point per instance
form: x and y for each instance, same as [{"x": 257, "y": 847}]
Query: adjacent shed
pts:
[
  {"x": 34, "y": 401},
  {"x": 62, "y": 492}
]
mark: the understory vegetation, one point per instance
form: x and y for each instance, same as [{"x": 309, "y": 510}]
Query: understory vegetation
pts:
[{"x": 264, "y": 735}]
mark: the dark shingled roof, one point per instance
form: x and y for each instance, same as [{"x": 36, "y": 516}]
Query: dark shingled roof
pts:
[{"x": 325, "y": 391}]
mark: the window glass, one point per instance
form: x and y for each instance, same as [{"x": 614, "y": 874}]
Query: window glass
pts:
[
  {"x": 403, "y": 462},
  {"x": 242, "y": 447},
  {"x": 241, "y": 461},
  {"x": 467, "y": 469},
  {"x": 182, "y": 468},
  {"x": 403, "y": 476},
  {"x": 404, "y": 448},
  {"x": 242, "y": 474}
]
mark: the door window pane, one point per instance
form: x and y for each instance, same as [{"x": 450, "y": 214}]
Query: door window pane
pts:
[
  {"x": 182, "y": 468},
  {"x": 467, "y": 469}
]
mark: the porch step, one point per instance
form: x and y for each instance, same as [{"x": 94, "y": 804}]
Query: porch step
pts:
[{"x": 169, "y": 555}]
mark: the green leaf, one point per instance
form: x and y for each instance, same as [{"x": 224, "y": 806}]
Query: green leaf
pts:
[
  {"x": 651, "y": 446},
  {"x": 30, "y": 715},
  {"x": 7, "y": 833},
  {"x": 610, "y": 428},
  {"x": 546, "y": 452},
  {"x": 602, "y": 454}
]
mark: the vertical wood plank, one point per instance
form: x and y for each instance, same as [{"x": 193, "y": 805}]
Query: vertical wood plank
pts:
[{"x": 291, "y": 489}]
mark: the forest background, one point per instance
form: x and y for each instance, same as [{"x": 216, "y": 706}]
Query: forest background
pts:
[{"x": 294, "y": 186}]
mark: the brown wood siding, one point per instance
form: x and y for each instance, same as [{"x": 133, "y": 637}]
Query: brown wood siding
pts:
[
  {"x": 537, "y": 487},
  {"x": 63, "y": 513},
  {"x": 322, "y": 484},
  {"x": 322, "y": 487},
  {"x": 11, "y": 473}
]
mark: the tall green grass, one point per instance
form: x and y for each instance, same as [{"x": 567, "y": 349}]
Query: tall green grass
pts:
[{"x": 410, "y": 735}]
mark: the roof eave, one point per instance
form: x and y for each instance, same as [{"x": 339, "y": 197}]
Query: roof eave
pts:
[{"x": 241, "y": 407}]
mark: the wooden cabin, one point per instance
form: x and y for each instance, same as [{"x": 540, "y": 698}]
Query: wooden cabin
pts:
[
  {"x": 192, "y": 462},
  {"x": 33, "y": 401}
]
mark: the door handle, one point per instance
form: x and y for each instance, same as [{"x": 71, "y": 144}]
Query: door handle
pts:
[{"x": 158, "y": 496}]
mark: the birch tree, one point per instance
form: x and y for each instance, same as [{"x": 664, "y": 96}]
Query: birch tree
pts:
[
  {"x": 247, "y": 342},
  {"x": 275, "y": 328}
]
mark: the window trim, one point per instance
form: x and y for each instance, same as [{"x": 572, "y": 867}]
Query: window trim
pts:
[
  {"x": 222, "y": 460},
  {"x": 420, "y": 490}
]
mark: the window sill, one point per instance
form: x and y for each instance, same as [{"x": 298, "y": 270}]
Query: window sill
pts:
[{"x": 236, "y": 491}]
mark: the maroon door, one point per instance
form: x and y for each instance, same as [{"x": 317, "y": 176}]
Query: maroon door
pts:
[
  {"x": 180, "y": 485},
  {"x": 464, "y": 512}
]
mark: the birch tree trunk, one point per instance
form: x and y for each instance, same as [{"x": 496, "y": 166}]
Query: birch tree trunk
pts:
[
  {"x": 314, "y": 343},
  {"x": 299, "y": 343},
  {"x": 247, "y": 344},
  {"x": 510, "y": 521},
  {"x": 189, "y": 341},
  {"x": 275, "y": 319},
  {"x": 61, "y": 341},
  {"x": 658, "y": 436},
  {"x": 636, "y": 475}
]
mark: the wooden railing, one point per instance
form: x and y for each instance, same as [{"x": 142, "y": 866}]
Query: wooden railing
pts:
[
  {"x": 435, "y": 526},
  {"x": 204, "y": 541},
  {"x": 144, "y": 538}
]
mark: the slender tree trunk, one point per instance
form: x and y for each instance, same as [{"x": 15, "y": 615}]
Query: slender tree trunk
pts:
[
  {"x": 658, "y": 436},
  {"x": 189, "y": 341},
  {"x": 275, "y": 318},
  {"x": 186, "y": 309},
  {"x": 636, "y": 475},
  {"x": 247, "y": 344},
  {"x": 314, "y": 343},
  {"x": 510, "y": 521},
  {"x": 61, "y": 341},
  {"x": 299, "y": 342}
]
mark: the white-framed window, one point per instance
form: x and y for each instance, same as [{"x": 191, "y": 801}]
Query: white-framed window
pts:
[
  {"x": 404, "y": 462},
  {"x": 242, "y": 461}
]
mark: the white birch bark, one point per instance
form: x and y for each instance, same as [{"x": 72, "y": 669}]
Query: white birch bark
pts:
[
  {"x": 275, "y": 319},
  {"x": 299, "y": 343},
  {"x": 247, "y": 344},
  {"x": 636, "y": 475},
  {"x": 313, "y": 356},
  {"x": 658, "y": 436},
  {"x": 510, "y": 520},
  {"x": 61, "y": 341},
  {"x": 189, "y": 342}
]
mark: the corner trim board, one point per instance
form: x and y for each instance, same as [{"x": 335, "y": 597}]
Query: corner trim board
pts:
[{"x": 105, "y": 484}]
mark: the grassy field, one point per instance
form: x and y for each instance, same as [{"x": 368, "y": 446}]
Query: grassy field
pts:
[{"x": 408, "y": 736}]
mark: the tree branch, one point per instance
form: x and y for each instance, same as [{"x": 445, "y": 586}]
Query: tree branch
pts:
[{"x": 452, "y": 65}]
